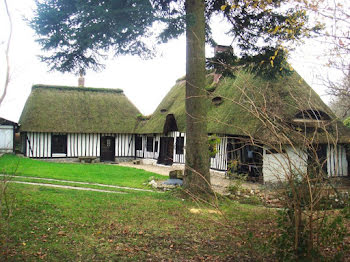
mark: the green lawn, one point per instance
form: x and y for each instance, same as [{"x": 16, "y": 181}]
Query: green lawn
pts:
[
  {"x": 40, "y": 223},
  {"x": 53, "y": 224},
  {"x": 68, "y": 225},
  {"x": 94, "y": 173}
]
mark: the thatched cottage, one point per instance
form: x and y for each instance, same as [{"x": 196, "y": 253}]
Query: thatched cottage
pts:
[
  {"x": 73, "y": 122},
  {"x": 244, "y": 115}
]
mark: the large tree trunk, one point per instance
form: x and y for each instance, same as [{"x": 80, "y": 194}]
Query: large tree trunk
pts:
[{"x": 197, "y": 176}]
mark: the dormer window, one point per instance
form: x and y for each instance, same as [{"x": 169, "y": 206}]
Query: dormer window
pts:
[
  {"x": 312, "y": 115},
  {"x": 217, "y": 100},
  {"x": 311, "y": 120}
]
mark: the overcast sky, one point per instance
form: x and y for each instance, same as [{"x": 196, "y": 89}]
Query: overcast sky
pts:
[{"x": 145, "y": 83}]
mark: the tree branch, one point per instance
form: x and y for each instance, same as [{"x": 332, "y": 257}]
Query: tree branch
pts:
[{"x": 7, "y": 51}]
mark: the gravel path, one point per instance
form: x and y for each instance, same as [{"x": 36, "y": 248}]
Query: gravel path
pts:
[{"x": 218, "y": 181}]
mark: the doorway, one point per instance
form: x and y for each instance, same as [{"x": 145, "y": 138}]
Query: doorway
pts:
[
  {"x": 166, "y": 151},
  {"x": 107, "y": 148}
]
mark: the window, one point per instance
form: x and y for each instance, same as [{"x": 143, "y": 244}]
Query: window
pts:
[
  {"x": 156, "y": 146},
  {"x": 59, "y": 144},
  {"x": 149, "y": 144},
  {"x": 312, "y": 114},
  {"x": 138, "y": 143},
  {"x": 180, "y": 145},
  {"x": 108, "y": 142}
]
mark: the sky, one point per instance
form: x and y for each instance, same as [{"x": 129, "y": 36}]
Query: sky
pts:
[{"x": 145, "y": 82}]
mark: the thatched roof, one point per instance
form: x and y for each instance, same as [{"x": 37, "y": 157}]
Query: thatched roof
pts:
[
  {"x": 232, "y": 105},
  {"x": 78, "y": 110}
]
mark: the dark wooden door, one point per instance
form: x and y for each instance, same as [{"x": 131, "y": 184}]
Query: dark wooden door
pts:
[
  {"x": 107, "y": 148},
  {"x": 166, "y": 151}
]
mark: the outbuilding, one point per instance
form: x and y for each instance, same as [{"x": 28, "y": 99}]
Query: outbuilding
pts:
[{"x": 7, "y": 135}]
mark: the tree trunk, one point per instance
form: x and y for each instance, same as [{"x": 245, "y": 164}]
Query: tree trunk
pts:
[{"x": 197, "y": 176}]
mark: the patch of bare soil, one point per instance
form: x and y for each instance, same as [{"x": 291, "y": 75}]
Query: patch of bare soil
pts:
[{"x": 219, "y": 182}]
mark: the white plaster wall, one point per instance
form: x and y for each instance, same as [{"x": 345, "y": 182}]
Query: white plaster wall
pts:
[
  {"x": 276, "y": 167},
  {"x": 6, "y": 139}
]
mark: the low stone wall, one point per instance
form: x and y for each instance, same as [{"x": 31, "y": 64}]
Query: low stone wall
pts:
[
  {"x": 123, "y": 159},
  {"x": 149, "y": 162}
]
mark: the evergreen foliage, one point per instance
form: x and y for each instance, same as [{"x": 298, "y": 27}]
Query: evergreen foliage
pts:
[
  {"x": 78, "y": 34},
  {"x": 347, "y": 122}
]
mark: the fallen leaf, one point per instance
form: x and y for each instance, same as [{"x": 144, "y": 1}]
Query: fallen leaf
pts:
[{"x": 61, "y": 233}]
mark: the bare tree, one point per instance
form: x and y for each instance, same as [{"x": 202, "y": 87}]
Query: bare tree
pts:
[
  {"x": 335, "y": 15},
  {"x": 7, "y": 52},
  {"x": 297, "y": 138}
]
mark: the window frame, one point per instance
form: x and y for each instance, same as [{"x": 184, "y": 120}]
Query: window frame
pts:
[
  {"x": 149, "y": 144},
  {"x": 59, "y": 144},
  {"x": 180, "y": 144},
  {"x": 138, "y": 142}
]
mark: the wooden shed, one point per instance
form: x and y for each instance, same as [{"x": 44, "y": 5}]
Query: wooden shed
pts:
[{"x": 7, "y": 135}]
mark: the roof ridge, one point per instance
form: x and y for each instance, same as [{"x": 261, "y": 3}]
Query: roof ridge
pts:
[{"x": 75, "y": 88}]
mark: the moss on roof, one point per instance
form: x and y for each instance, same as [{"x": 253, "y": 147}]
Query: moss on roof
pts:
[
  {"x": 78, "y": 110},
  {"x": 173, "y": 103},
  {"x": 283, "y": 98}
]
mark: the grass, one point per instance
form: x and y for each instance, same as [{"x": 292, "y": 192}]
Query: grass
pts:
[
  {"x": 66, "y": 225},
  {"x": 54, "y": 224},
  {"x": 93, "y": 173}
]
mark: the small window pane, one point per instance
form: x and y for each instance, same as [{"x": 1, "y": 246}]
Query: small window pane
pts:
[
  {"x": 149, "y": 144},
  {"x": 138, "y": 143}
]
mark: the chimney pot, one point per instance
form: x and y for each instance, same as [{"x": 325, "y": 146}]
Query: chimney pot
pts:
[{"x": 81, "y": 81}]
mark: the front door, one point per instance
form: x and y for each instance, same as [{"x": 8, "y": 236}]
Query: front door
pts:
[
  {"x": 107, "y": 148},
  {"x": 166, "y": 151}
]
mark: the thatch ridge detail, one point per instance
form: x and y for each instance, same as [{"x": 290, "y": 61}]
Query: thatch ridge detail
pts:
[{"x": 75, "y": 88}]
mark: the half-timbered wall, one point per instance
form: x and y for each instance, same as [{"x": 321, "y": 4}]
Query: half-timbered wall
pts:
[
  {"x": 83, "y": 145},
  {"x": 219, "y": 162},
  {"x": 143, "y": 153},
  {"x": 337, "y": 164},
  {"x": 39, "y": 145},
  {"x": 178, "y": 158},
  {"x": 124, "y": 145}
]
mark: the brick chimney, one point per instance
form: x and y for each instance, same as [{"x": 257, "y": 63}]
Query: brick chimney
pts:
[{"x": 222, "y": 48}]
